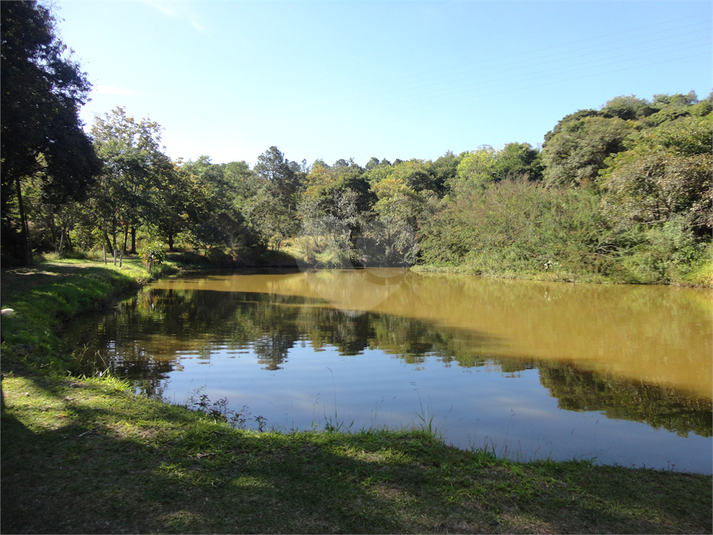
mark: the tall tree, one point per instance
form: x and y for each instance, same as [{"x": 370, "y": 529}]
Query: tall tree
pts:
[
  {"x": 133, "y": 163},
  {"x": 220, "y": 211},
  {"x": 172, "y": 202},
  {"x": 42, "y": 91},
  {"x": 273, "y": 167}
]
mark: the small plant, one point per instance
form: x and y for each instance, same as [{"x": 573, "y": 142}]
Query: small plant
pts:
[
  {"x": 261, "y": 423},
  {"x": 333, "y": 427},
  {"x": 200, "y": 402},
  {"x": 153, "y": 253},
  {"x": 238, "y": 419}
]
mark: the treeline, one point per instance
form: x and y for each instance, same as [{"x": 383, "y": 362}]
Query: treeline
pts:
[{"x": 621, "y": 193}]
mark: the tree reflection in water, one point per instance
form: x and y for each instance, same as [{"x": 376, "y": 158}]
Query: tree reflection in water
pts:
[{"x": 144, "y": 338}]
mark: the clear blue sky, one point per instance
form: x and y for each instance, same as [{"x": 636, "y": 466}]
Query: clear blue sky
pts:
[{"x": 330, "y": 80}]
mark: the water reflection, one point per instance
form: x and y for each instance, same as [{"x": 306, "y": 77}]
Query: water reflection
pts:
[{"x": 640, "y": 354}]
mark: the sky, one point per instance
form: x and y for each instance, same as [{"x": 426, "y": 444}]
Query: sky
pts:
[{"x": 386, "y": 79}]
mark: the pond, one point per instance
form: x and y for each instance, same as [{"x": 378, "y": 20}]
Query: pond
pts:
[{"x": 619, "y": 374}]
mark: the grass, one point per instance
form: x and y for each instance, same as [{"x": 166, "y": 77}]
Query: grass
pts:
[
  {"x": 85, "y": 455},
  {"x": 46, "y": 296}
]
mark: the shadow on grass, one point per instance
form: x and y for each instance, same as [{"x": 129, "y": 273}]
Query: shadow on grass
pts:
[{"x": 86, "y": 457}]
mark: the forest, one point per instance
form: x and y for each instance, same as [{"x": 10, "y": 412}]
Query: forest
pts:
[{"x": 616, "y": 194}]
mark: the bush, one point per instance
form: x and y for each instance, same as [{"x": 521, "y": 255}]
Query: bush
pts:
[
  {"x": 666, "y": 253},
  {"x": 153, "y": 253},
  {"x": 518, "y": 227}
]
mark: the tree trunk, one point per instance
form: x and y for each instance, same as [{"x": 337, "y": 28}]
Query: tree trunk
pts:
[
  {"x": 113, "y": 232},
  {"x": 53, "y": 232},
  {"x": 126, "y": 237},
  {"x": 170, "y": 242},
  {"x": 25, "y": 233},
  {"x": 133, "y": 240},
  {"x": 107, "y": 241}
]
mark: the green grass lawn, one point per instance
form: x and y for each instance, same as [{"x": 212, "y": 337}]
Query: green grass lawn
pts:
[{"x": 85, "y": 455}]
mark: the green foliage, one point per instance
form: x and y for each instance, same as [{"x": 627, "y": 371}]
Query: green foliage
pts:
[
  {"x": 486, "y": 166},
  {"x": 378, "y": 173},
  {"x": 658, "y": 198},
  {"x": 133, "y": 165},
  {"x": 662, "y": 254},
  {"x": 335, "y": 206},
  {"x": 645, "y": 166},
  {"x": 650, "y": 187},
  {"x": 475, "y": 170},
  {"x": 415, "y": 174},
  {"x": 444, "y": 170},
  {"x": 390, "y": 238},
  {"x": 516, "y": 226},
  {"x": 230, "y": 210},
  {"x": 627, "y": 108},
  {"x": 275, "y": 169},
  {"x": 153, "y": 253},
  {"x": 518, "y": 161},
  {"x": 325, "y": 241},
  {"x": 575, "y": 155},
  {"x": 42, "y": 136}
]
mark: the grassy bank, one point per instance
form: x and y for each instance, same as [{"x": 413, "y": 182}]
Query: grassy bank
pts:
[
  {"x": 698, "y": 274},
  {"x": 85, "y": 455},
  {"x": 46, "y": 296}
]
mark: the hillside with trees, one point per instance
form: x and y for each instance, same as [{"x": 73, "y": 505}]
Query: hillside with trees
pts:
[{"x": 622, "y": 193}]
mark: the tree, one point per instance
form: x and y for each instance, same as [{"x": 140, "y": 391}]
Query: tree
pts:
[
  {"x": 627, "y": 108},
  {"x": 516, "y": 161},
  {"x": 273, "y": 222},
  {"x": 444, "y": 170},
  {"x": 668, "y": 108},
  {"x": 42, "y": 91},
  {"x": 335, "y": 204},
  {"x": 133, "y": 162},
  {"x": 664, "y": 171},
  {"x": 52, "y": 224},
  {"x": 172, "y": 202},
  {"x": 275, "y": 169},
  {"x": 475, "y": 170},
  {"x": 378, "y": 173},
  {"x": 373, "y": 162},
  {"x": 222, "y": 213},
  {"x": 569, "y": 119},
  {"x": 324, "y": 182},
  {"x": 416, "y": 174},
  {"x": 390, "y": 238},
  {"x": 577, "y": 152}
]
